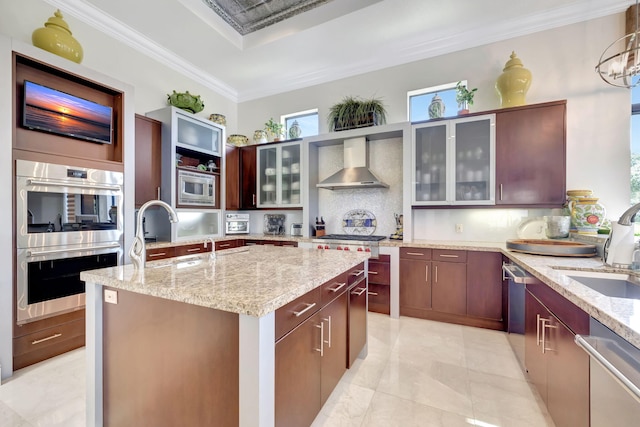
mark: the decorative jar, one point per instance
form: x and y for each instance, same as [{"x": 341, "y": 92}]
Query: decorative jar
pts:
[
  {"x": 586, "y": 214},
  {"x": 219, "y": 119},
  {"x": 295, "y": 131},
  {"x": 436, "y": 108},
  {"x": 260, "y": 137},
  {"x": 56, "y": 38},
  {"x": 512, "y": 85}
]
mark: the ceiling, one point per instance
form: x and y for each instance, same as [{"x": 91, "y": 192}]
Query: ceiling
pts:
[{"x": 331, "y": 39}]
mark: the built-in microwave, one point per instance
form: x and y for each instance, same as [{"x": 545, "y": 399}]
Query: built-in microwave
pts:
[
  {"x": 237, "y": 224},
  {"x": 196, "y": 189}
]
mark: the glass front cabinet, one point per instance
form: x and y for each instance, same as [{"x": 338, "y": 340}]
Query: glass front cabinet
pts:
[
  {"x": 278, "y": 177},
  {"x": 454, "y": 162}
]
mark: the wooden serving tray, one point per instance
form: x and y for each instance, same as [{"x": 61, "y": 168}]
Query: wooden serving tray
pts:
[{"x": 552, "y": 247}]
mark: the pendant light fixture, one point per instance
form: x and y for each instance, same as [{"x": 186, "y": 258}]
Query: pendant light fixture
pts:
[{"x": 619, "y": 64}]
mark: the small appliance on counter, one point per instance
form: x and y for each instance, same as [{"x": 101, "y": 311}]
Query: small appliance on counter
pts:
[
  {"x": 398, "y": 234},
  {"x": 296, "y": 230},
  {"x": 274, "y": 224},
  {"x": 237, "y": 224}
]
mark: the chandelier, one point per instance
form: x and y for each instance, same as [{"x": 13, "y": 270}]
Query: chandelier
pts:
[{"x": 620, "y": 61}]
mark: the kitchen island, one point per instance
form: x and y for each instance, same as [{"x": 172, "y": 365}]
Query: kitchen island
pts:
[{"x": 178, "y": 321}]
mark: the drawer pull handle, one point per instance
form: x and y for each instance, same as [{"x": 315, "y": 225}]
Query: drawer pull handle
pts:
[
  {"x": 224, "y": 245},
  {"x": 357, "y": 273},
  {"x": 303, "y": 311},
  {"x": 375, "y": 294},
  {"x": 373, "y": 272},
  {"x": 156, "y": 254},
  {"x": 358, "y": 291},
  {"x": 193, "y": 250},
  {"x": 337, "y": 288},
  {"x": 46, "y": 339},
  {"x": 415, "y": 253},
  {"x": 449, "y": 256}
]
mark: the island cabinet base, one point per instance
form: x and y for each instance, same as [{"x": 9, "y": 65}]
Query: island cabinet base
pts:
[{"x": 168, "y": 363}]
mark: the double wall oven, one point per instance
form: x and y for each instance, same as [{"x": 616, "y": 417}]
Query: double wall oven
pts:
[{"x": 68, "y": 220}]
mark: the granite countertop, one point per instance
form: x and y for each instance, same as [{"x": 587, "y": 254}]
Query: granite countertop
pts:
[{"x": 253, "y": 280}]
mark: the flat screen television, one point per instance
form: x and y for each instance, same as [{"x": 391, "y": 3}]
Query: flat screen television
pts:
[{"x": 50, "y": 110}]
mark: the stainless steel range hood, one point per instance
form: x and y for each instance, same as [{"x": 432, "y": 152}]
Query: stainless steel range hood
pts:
[{"x": 356, "y": 173}]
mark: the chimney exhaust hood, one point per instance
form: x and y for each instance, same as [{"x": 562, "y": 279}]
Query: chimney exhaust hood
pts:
[{"x": 356, "y": 173}]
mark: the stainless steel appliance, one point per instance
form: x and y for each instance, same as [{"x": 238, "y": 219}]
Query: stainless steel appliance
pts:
[
  {"x": 196, "y": 189},
  {"x": 614, "y": 377},
  {"x": 518, "y": 278},
  {"x": 68, "y": 219},
  {"x": 349, "y": 242},
  {"x": 237, "y": 224},
  {"x": 296, "y": 229}
]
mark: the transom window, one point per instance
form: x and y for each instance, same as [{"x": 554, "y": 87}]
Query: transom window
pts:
[
  {"x": 418, "y": 101},
  {"x": 307, "y": 120}
]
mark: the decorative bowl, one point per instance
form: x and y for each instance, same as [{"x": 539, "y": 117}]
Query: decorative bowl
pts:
[
  {"x": 238, "y": 140},
  {"x": 219, "y": 119},
  {"x": 186, "y": 101}
]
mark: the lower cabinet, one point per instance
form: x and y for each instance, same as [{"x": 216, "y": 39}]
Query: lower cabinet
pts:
[
  {"x": 357, "y": 281},
  {"x": 463, "y": 287},
  {"x": 379, "y": 277},
  {"x": 555, "y": 364}
]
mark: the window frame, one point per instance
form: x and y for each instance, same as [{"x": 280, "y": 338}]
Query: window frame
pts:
[
  {"x": 304, "y": 113},
  {"x": 430, "y": 90}
]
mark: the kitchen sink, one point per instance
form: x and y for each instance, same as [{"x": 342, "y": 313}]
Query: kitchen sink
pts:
[{"x": 617, "y": 285}]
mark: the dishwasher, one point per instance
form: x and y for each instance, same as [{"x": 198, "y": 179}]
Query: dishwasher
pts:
[
  {"x": 517, "y": 278},
  {"x": 614, "y": 377}
]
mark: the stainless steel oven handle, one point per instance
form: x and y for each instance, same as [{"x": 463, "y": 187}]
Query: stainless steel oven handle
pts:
[
  {"x": 607, "y": 366},
  {"x": 88, "y": 248},
  {"x": 114, "y": 187}
]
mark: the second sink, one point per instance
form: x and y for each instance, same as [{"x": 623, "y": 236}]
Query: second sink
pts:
[{"x": 616, "y": 285}]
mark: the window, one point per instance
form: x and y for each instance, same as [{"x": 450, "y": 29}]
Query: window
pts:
[
  {"x": 418, "y": 101},
  {"x": 307, "y": 120}
]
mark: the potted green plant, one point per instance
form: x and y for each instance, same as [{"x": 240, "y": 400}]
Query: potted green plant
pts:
[
  {"x": 354, "y": 112},
  {"x": 274, "y": 129},
  {"x": 464, "y": 97}
]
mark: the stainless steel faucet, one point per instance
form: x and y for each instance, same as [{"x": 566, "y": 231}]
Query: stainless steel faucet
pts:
[
  {"x": 629, "y": 215},
  {"x": 213, "y": 246},
  {"x": 138, "y": 250}
]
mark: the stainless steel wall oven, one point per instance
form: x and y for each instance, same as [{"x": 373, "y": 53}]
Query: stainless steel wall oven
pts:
[{"x": 68, "y": 220}]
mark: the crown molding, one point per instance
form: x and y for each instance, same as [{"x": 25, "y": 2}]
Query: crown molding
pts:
[{"x": 114, "y": 28}]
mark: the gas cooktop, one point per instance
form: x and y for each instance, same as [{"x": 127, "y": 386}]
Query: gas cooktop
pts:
[{"x": 353, "y": 237}]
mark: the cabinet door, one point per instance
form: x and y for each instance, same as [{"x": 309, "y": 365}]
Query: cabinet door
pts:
[
  {"x": 248, "y": 177},
  {"x": 290, "y": 178},
  {"x": 198, "y": 135},
  {"x": 267, "y": 179},
  {"x": 534, "y": 359},
  {"x": 415, "y": 284},
  {"x": 357, "y": 319},
  {"x": 233, "y": 177},
  {"x": 474, "y": 160},
  {"x": 334, "y": 354},
  {"x": 449, "y": 287},
  {"x": 530, "y": 156},
  {"x": 567, "y": 377},
  {"x": 430, "y": 163},
  {"x": 484, "y": 285},
  {"x": 297, "y": 375},
  {"x": 148, "y": 155}
]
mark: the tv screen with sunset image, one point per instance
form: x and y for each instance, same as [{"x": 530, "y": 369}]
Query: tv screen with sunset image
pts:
[{"x": 53, "y": 111}]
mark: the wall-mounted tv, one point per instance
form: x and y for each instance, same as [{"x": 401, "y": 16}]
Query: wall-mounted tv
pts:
[{"x": 50, "y": 110}]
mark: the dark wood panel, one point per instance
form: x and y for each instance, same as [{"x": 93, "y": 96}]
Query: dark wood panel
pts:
[
  {"x": 570, "y": 314},
  {"x": 248, "y": 166},
  {"x": 232, "y": 174},
  {"x": 191, "y": 249},
  {"x": 415, "y": 253},
  {"x": 531, "y": 155},
  {"x": 357, "y": 319},
  {"x": 148, "y": 155},
  {"x": 154, "y": 254},
  {"x": 380, "y": 271},
  {"x": 449, "y": 255},
  {"x": 48, "y": 337},
  {"x": 227, "y": 244},
  {"x": 38, "y": 325},
  {"x": 168, "y": 363},
  {"x": 484, "y": 285},
  {"x": 334, "y": 357},
  {"x": 449, "y": 287},
  {"x": 534, "y": 360},
  {"x": 286, "y": 318},
  {"x": 457, "y": 319},
  {"x": 333, "y": 288},
  {"x": 415, "y": 284},
  {"x": 29, "y": 358},
  {"x": 379, "y": 298}
]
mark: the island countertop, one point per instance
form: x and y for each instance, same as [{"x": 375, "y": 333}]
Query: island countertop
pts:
[{"x": 253, "y": 280}]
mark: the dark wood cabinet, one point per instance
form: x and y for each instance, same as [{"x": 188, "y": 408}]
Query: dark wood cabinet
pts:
[
  {"x": 415, "y": 281},
  {"x": 379, "y": 277},
  {"x": 357, "y": 282},
  {"x": 192, "y": 249},
  {"x": 334, "y": 345},
  {"x": 241, "y": 177},
  {"x": 154, "y": 254},
  {"x": 531, "y": 155},
  {"x": 449, "y": 281},
  {"x": 228, "y": 244},
  {"x": 148, "y": 159},
  {"x": 484, "y": 285},
  {"x": 555, "y": 364}
]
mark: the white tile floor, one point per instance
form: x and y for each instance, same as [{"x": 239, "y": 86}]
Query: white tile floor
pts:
[{"x": 417, "y": 373}]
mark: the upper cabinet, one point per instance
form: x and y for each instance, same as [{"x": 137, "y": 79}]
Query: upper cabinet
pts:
[
  {"x": 196, "y": 134},
  {"x": 531, "y": 155},
  {"x": 148, "y": 156},
  {"x": 454, "y": 162},
  {"x": 241, "y": 177},
  {"x": 279, "y": 175}
]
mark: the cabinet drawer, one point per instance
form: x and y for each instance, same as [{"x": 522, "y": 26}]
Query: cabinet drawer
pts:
[
  {"x": 297, "y": 311},
  {"x": 226, "y": 244},
  {"x": 415, "y": 253},
  {"x": 160, "y": 253},
  {"x": 379, "y": 273},
  {"x": 289, "y": 243},
  {"x": 379, "y": 298},
  {"x": 333, "y": 288},
  {"x": 195, "y": 248},
  {"x": 447, "y": 255},
  {"x": 355, "y": 274},
  {"x": 48, "y": 337}
]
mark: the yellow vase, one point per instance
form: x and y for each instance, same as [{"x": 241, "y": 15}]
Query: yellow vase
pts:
[
  {"x": 55, "y": 37},
  {"x": 513, "y": 83}
]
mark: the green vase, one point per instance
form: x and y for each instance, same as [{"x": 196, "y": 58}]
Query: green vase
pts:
[{"x": 55, "y": 37}]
